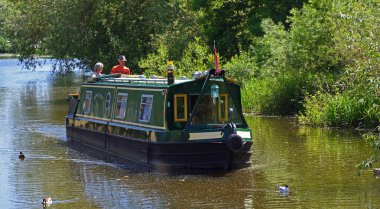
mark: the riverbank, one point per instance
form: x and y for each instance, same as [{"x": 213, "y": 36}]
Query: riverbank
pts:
[
  {"x": 10, "y": 55},
  {"x": 7, "y": 55}
]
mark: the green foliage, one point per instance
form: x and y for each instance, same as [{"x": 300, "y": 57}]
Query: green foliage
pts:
[
  {"x": 311, "y": 39},
  {"x": 366, "y": 164},
  {"x": 233, "y": 23},
  {"x": 4, "y": 45},
  {"x": 346, "y": 109},
  {"x": 273, "y": 96},
  {"x": 278, "y": 11},
  {"x": 92, "y": 31},
  {"x": 196, "y": 57},
  {"x": 374, "y": 139},
  {"x": 357, "y": 33},
  {"x": 320, "y": 62},
  {"x": 241, "y": 67},
  {"x": 155, "y": 64},
  {"x": 270, "y": 51},
  {"x": 277, "y": 88},
  {"x": 353, "y": 98},
  {"x": 7, "y": 13},
  {"x": 226, "y": 22}
]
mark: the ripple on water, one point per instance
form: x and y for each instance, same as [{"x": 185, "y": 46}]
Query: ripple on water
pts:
[{"x": 56, "y": 131}]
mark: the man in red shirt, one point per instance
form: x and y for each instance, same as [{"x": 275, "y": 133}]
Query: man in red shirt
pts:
[{"x": 121, "y": 68}]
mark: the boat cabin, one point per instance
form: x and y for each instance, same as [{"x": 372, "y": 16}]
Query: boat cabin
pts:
[{"x": 156, "y": 110}]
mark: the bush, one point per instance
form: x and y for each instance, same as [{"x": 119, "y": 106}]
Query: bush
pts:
[
  {"x": 273, "y": 96},
  {"x": 241, "y": 67},
  {"x": 4, "y": 46},
  {"x": 346, "y": 109}
]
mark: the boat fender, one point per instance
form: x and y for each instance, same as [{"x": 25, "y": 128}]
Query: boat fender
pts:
[
  {"x": 234, "y": 142},
  {"x": 229, "y": 129}
]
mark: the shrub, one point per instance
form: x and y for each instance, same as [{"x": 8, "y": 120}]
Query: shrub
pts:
[
  {"x": 346, "y": 109},
  {"x": 274, "y": 96},
  {"x": 241, "y": 67}
]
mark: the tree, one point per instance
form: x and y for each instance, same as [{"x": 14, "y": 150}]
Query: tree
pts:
[
  {"x": 351, "y": 98},
  {"x": 82, "y": 32},
  {"x": 226, "y": 22},
  {"x": 233, "y": 23},
  {"x": 7, "y": 13}
]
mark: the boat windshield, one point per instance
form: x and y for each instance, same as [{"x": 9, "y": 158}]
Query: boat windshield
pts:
[{"x": 214, "y": 110}]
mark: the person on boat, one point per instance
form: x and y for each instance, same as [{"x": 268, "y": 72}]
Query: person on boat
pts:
[
  {"x": 98, "y": 70},
  {"x": 121, "y": 68}
]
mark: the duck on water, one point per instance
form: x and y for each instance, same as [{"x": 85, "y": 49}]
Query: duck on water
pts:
[
  {"x": 21, "y": 156},
  {"x": 47, "y": 201},
  {"x": 283, "y": 189},
  {"x": 163, "y": 123}
]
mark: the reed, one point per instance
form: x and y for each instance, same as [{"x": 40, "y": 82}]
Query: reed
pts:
[
  {"x": 346, "y": 109},
  {"x": 374, "y": 139}
]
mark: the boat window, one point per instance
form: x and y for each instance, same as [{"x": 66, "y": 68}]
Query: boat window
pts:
[
  {"x": 206, "y": 111},
  {"x": 223, "y": 111},
  {"x": 121, "y": 105},
  {"x": 145, "y": 107},
  {"x": 87, "y": 102},
  {"x": 180, "y": 107},
  {"x": 108, "y": 101},
  {"x": 223, "y": 108}
]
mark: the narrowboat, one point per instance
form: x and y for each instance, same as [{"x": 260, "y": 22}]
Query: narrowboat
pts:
[{"x": 163, "y": 123}]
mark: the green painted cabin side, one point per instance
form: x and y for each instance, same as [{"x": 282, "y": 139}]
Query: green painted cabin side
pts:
[
  {"x": 167, "y": 107},
  {"x": 123, "y": 104}
]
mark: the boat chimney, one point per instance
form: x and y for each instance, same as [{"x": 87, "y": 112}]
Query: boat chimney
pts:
[{"x": 170, "y": 72}]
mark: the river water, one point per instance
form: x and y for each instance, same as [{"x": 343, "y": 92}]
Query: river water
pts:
[{"x": 317, "y": 164}]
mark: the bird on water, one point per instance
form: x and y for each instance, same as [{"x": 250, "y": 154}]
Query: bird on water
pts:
[
  {"x": 21, "y": 156},
  {"x": 47, "y": 201},
  {"x": 283, "y": 189},
  {"x": 376, "y": 171}
]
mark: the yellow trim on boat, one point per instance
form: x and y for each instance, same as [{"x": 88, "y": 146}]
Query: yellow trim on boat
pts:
[
  {"x": 92, "y": 117},
  {"x": 176, "y": 119}
]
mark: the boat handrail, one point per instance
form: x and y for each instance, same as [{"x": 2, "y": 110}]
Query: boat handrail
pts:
[
  {"x": 136, "y": 80},
  {"x": 141, "y": 80}
]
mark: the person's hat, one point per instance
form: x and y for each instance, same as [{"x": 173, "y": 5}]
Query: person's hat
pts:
[{"x": 122, "y": 58}]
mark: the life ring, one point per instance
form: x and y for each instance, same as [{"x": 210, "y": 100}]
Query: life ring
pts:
[{"x": 235, "y": 142}]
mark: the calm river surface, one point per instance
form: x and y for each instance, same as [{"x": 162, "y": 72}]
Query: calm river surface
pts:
[{"x": 317, "y": 164}]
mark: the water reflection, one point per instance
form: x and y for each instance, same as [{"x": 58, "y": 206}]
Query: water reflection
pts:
[
  {"x": 132, "y": 186},
  {"x": 317, "y": 164}
]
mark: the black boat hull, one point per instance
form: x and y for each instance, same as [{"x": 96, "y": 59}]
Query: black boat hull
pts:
[{"x": 165, "y": 156}]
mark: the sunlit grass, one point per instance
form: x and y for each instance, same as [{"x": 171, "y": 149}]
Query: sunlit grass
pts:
[{"x": 341, "y": 110}]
